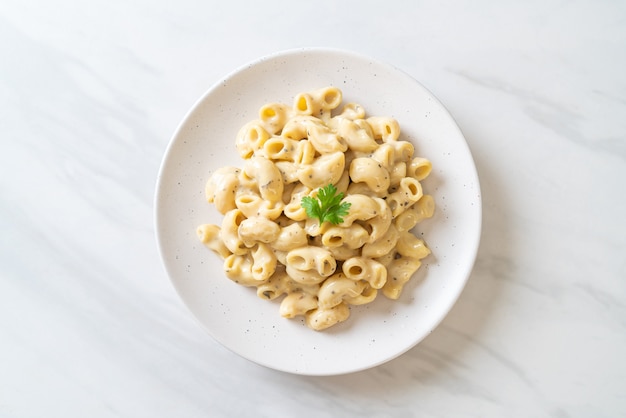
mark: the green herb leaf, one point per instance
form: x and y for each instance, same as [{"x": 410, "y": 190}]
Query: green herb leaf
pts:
[{"x": 326, "y": 206}]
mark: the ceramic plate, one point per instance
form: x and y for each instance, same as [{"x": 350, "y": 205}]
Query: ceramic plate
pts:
[{"x": 252, "y": 327}]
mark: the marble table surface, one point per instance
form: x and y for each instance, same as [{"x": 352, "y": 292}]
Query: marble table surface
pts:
[{"x": 90, "y": 95}]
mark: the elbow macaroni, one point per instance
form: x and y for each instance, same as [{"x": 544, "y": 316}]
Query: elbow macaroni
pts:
[{"x": 266, "y": 239}]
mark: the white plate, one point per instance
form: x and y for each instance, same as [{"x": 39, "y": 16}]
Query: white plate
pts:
[{"x": 252, "y": 327}]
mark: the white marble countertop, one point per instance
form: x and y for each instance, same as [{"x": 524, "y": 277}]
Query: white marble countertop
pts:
[{"x": 90, "y": 94}]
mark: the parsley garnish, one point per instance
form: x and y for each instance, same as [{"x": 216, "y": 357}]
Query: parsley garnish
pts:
[{"x": 326, "y": 206}]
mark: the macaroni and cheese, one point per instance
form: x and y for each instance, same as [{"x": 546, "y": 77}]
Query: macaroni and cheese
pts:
[{"x": 266, "y": 239}]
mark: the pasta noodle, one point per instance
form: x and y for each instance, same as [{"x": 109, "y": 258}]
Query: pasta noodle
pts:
[{"x": 266, "y": 239}]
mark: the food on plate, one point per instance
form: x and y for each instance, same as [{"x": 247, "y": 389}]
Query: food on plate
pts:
[{"x": 321, "y": 211}]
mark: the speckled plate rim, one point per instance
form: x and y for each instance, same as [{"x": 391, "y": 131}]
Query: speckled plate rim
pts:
[{"x": 234, "y": 315}]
